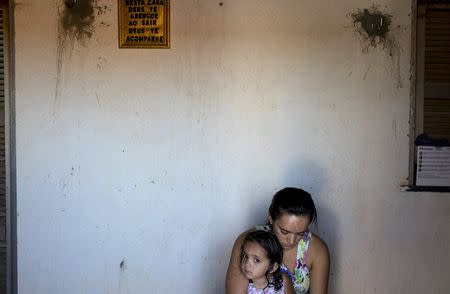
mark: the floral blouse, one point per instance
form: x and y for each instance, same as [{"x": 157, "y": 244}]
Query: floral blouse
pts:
[
  {"x": 300, "y": 277},
  {"x": 251, "y": 289}
]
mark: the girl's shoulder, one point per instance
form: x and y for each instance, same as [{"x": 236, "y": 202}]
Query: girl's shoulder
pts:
[{"x": 270, "y": 289}]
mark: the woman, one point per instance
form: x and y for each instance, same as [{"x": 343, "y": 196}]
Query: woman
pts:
[{"x": 306, "y": 260}]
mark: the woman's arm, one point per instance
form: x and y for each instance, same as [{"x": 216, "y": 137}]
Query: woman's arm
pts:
[
  {"x": 236, "y": 282},
  {"x": 320, "y": 266}
]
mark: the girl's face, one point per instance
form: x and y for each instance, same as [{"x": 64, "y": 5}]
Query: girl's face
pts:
[
  {"x": 289, "y": 229},
  {"x": 255, "y": 263}
]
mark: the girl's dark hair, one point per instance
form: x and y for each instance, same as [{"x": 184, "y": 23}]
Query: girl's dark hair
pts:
[
  {"x": 293, "y": 201},
  {"x": 269, "y": 242}
]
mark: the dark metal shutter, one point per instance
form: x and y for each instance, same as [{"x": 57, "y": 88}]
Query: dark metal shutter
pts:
[
  {"x": 436, "y": 123},
  {"x": 3, "y": 241}
]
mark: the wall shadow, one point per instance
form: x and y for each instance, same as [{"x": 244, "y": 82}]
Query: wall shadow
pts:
[
  {"x": 305, "y": 174},
  {"x": 311, "y": 177}
]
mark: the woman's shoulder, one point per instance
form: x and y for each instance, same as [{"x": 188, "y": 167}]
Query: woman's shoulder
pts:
[
  {"x": 266, "y": 228},
  {"x": 317, "y": 241},
  {"x": 252, "y": 229},
  {"x": 240, "y": 238},
  {"x": 318, "y": 249},
  {"x": 242, "y": 235}
]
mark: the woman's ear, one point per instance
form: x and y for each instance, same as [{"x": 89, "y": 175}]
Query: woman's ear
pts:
[
  {"x": 274, "y": 267},
  {"x": 269, "y": 218}
]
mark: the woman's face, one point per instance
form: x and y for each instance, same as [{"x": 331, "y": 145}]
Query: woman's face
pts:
[{"x": 289, "y": 229}]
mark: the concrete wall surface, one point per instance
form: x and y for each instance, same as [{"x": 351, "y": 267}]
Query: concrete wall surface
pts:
[{"x": 137, "y": 168}]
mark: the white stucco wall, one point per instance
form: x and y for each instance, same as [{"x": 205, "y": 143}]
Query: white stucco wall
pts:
[{"x": 158, "y": 158}]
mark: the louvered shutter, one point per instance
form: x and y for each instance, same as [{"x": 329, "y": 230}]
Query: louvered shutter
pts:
[
  {"x": 436, "y": 121},
  {"x": 3, "y": 240}
]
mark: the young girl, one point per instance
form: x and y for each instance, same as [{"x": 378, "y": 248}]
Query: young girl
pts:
[{"x": 261, "y": 257}]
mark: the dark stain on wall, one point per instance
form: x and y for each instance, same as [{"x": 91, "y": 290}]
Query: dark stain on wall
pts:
[
  {"x": 76, "y": 25},
  {"x": 78, "y": 21},
  {"x": 123, "y": 265},
  {"x": 374, "y": 27}
]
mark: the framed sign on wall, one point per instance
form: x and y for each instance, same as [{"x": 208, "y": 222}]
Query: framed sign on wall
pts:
[{"x": 144, "y": 23}]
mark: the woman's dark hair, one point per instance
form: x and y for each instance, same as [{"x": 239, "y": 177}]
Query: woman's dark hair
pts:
[
  {"x": 269, "y": 242},
  {"x": 293, "y": 201}
]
